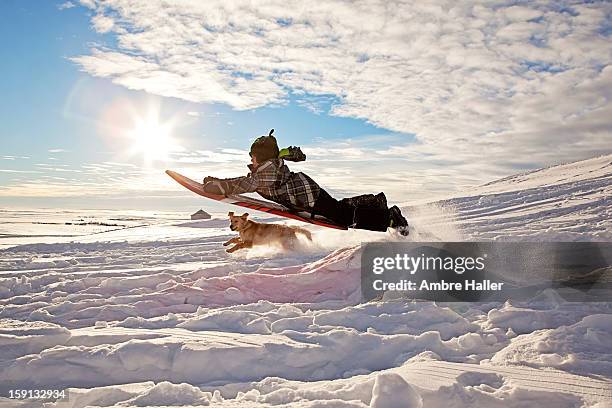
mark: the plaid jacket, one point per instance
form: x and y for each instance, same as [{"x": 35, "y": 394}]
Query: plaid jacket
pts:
[{"x": 274, "y": 181}]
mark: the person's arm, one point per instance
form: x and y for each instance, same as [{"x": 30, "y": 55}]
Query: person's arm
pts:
[
  {"x": 244, "y": 184},
  {"x": 264, "y": 177},
  {"x": 229, "y": 186}
]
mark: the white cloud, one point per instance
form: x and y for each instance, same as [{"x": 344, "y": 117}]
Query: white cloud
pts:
[
  {"x": 18, "y": 171},
  {"x": 14, "y": 157},
  {"x": 111, "y": 164},
  {"x": 478, "y": 83},
  {"x": 520, "y": 13},
  {"x": 66, "y": 5},
  {"x": 102, "y": 24},
  {"x": 88, "y": 3},
  {"x": 57, "y": 151}
]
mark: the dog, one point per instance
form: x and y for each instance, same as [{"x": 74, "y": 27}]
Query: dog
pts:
[{"x": 255, "y": 233}]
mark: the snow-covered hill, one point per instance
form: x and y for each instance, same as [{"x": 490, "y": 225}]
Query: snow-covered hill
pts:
[
  {"x": 569, "y": 202},
  {"x": 158, "y": 314}
]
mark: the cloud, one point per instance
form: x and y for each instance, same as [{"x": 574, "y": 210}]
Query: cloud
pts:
[
  {"x": 104, "y": 180},
  {"x": 102, "y": 24},
  {"x": 14, "y": 157},
  {"x": 116, "y": 179},
  {"x": 18, "y": 171},
  {"x": 482, "y": 83},
  {"x": 66, "y": 5},
  {"x": 57, "y": 151},
  {"x": 88, "y": 3},
  {"x": 111, "y": 164}
]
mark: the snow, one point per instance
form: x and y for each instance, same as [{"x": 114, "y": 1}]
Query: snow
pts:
[
  {"x": 571, "y": 202},
  {"x": 583, "y": 347},
  {"x": 153, "y": 312},
  {"x": 391, "y": 390}
]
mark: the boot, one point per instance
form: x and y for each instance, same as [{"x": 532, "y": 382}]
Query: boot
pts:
[{"x": 397, "y": 220}]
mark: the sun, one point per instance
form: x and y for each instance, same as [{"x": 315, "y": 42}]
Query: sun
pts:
[{"x": 152, "y": 139}]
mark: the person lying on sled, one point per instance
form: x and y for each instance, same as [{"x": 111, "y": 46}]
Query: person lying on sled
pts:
[{"x": 271, "y": 178}]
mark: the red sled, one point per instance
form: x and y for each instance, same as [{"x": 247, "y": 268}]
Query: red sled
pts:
[{"x": 253, "y": 203}]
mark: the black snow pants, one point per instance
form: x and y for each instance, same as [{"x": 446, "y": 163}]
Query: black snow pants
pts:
[{"x": 347, "y": 215}]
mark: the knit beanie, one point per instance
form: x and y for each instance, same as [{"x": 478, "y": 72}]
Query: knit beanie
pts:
[{"x": 265, "y": 148}]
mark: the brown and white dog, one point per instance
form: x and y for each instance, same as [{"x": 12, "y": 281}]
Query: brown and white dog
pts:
[{"x": 255, "y": 233}]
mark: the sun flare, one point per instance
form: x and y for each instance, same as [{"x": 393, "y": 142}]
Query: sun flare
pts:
[{"x": 152, "y": 139}]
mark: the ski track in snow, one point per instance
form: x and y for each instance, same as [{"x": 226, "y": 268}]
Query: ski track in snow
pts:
[{"x": 160, "y": 315}]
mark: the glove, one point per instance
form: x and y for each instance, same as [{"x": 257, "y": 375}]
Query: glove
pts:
[
  {"x": 292, "y": 153},
  {"x": 208, "y": 179},
  {"x": 216, "y": 187}
]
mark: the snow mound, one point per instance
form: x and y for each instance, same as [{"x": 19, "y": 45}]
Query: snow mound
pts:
[
  {"x": 583, "y": 347},
  {"x": 19, "y": 338},
  {"x": 392, "y": 391},
  {"x": 166, "y": 393},
  {"x": 526, "y": 317}
]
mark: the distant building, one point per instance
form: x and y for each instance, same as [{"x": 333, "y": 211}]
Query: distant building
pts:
[{"x": 200, "y": 215}]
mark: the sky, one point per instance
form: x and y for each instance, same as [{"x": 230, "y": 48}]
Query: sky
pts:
[{"x": 420, "y": 100}]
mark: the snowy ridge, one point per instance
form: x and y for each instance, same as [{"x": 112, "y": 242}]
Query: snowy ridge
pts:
[
  {"x": 590, "y": 169},
  {"x": 160, "y": 315},
  {"x": 570, "y": 202}
]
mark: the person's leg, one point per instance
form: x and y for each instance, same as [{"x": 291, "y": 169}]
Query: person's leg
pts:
[
  {"x": 378, "y": 219},
  {"x": 336, "y": 211},
  {"x": 345, "y": 214},
  {"x": 367, "y": 200},
  {"x": 372, "y": 213},
  {"x": 373, "y": 219}
]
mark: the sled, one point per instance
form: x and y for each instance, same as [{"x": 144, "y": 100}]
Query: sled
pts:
[{"x": 254, "y": 203}]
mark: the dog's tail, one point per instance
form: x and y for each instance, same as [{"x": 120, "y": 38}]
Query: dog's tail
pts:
[{"x": 304, "y": 231}]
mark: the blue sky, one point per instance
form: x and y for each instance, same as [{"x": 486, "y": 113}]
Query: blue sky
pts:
[{"x": 417, "y": 102}]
